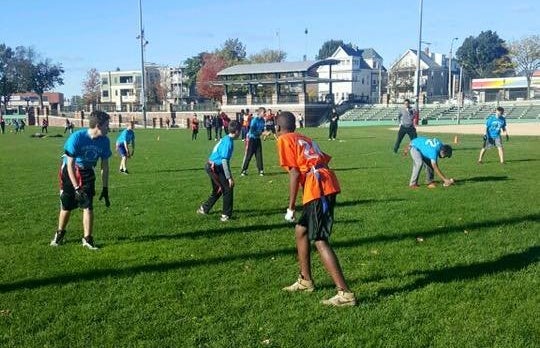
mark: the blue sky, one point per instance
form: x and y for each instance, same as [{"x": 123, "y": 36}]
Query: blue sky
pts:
[{"x": 102, "y": 34}]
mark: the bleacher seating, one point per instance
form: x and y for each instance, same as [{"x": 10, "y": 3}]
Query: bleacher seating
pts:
[{"x": 526, "y": 110}]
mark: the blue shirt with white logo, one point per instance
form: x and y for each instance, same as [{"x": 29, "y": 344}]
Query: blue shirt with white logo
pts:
[
  {"x": 429, "y": 148},
  {"x": 86, "y": 150},
  {"x": 222, "y": 151},
  {"x": 126, "y": 135},
  {"x": 494, "y": 125}
]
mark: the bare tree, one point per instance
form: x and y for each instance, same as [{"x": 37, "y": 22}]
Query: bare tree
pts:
[
  {"x": 525, "y": 54},
  {"x": 92, "y": 88}
]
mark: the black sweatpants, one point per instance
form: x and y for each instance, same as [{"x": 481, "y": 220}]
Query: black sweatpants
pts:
[
  {"x": 220, "y": 187},
  {"x": 411, "y": 131},
  {"x": 253, "y": 147}
]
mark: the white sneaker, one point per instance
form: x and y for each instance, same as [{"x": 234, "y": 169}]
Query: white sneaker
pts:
[
  {"x": 224, "y": 218},
  {"x": 261, "y": 173},
  {"x": 342, "y": 299},
  {"x": 301, "y": 285},
  {"x": 89, "y": 243},
  {"x": 58, "y": 238},
  {"x": 201, "y": 211},
  {"x": 244, "y": 173}
]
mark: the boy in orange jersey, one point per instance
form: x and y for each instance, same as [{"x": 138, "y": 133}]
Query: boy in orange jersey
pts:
[{"x": 308, "y": 166}]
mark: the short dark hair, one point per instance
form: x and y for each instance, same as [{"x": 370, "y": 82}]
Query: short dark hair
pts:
[
  {"x": 501, "y": 109},
  {"x": 98, "y": 118},
  {"x": 234, "y": 126},
  {"x": 447, "y": 150},
  {"x": 287, "y": 121},
  {"x": 407, "y": 101}
]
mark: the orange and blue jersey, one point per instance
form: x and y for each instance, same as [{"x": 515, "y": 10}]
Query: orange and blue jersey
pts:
[{"x": 298, "y": 151}]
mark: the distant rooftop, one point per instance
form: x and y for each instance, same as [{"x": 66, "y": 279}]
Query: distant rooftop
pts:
[{"x": 281, "y": 67}]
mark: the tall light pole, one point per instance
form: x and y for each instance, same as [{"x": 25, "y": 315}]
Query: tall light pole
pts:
[
  {"x": 450, "y": 89},
  {"x": 143, "y": 77},
  {"x": 417, "y": 79}
]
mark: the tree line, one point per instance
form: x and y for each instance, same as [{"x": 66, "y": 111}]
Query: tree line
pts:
[{"x": 22, "y": 70}]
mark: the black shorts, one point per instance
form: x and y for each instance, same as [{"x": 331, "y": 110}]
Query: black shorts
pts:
[
  {"x": 318, "y": 217},
  {"x": 86, "y": 178}
]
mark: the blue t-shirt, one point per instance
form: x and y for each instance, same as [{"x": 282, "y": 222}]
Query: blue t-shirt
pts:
[
  {"x": 86, "y": 150},
  {"x": 222, "y": 151},
  {"x": 494, "y": 125},
  {"x": 256, "y": 127},
  {"x": 126, "y": 135},
  {"x": 429, "y": 148}
]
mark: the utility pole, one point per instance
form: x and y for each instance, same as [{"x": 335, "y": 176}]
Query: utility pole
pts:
[
  {"x": 417, "y": 77},
  {"x": 450, "y": 89},
  {"x": 143, "y": 73}
]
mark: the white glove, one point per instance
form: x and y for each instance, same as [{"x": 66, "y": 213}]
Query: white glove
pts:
[{"x": 289, "y": 216}]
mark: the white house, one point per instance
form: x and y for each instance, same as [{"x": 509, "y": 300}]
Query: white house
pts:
[{"x": 361, "y": 68}]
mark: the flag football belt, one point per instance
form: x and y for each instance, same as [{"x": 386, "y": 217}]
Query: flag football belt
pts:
[{"x": 315, "y": 171}]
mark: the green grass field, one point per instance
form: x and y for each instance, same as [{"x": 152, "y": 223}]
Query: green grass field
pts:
[{"x": 167, "y": 277}]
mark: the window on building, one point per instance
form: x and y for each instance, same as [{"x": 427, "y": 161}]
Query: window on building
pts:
[
  {"x": 105, "y": 94},
  {"x": 126, "y": 79},
  {"x": 115, "y": 80},
  {"x": 116, "y": 93},
  {"x": 104, "y": 81},
  {"x": 125, "y": 92}
]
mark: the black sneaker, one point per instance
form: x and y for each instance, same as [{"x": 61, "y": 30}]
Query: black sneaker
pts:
[
  {"x": 88, "y": 242},
  {"x": 58, "y": 238}
]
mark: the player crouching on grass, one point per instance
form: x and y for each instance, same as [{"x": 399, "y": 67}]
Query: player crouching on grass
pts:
[
  {"x": 219, "y": 171},
  {"x": 426, "y": 152},
  {"x": 126, "y": 137},
  {"x": 77, "y": 178},
  {"x": 308, "y": 166}
]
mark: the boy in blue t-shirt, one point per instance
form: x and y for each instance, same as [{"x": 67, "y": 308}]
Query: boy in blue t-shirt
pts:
[
  {"x": 426, "y": 152},
  {"x": 494, "y": 125},
  {"x": 125, "y": 138},
  {"x": 82, "y": 151},
  {"x": 219, "y": 170}
]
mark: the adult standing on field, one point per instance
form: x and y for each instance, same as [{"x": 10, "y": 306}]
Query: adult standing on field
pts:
[
  {"x": 332, "y": 131},
  {"x": 406, "y": 124},
  {"x": 82, "y": 151},
  {"x": 194, "y": 127},
  {"x": 426, "y": 152},
  {"x": 44, "y": 126},
  {"x": 494, "y": 125},
  {"x": 253, "y": 143},
  {"x": 2, "y": 124},
  {"x": 308, "y": 167},
  {"x": 125, "y": 138}
]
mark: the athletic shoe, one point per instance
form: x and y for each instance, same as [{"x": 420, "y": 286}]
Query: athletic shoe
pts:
[
  {"x": 432, "y": 184},
  {"x": 414, "y": 186},
  {"x": 342, "y": 299},
  {"x": 121, "y": 171},
  {"x": 224, "y": 218},
  {"x": 126, "y": 171},
  {"x": 58, "y": 238},
  {"x": 300, "y": 285},
  {"x": 261, "y": 173},
  {"x": 201, "y": 211},
  {"x": 88, "y": 242},
  {"x": 244, "y": 173}
]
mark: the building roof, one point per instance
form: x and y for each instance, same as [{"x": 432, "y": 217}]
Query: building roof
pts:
[
  {"x": 269, "y": 68},
  {"x": 365, "y": 53}
]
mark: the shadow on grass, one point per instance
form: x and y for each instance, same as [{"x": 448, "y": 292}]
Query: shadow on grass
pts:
[
  {"x": 523, "y": 160},
  {"x": 227, "y": 229},
  {"x": 509, "y": 262},
  {"x": 483, "y": 179},
  {"x": 437, "y": 231}
]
